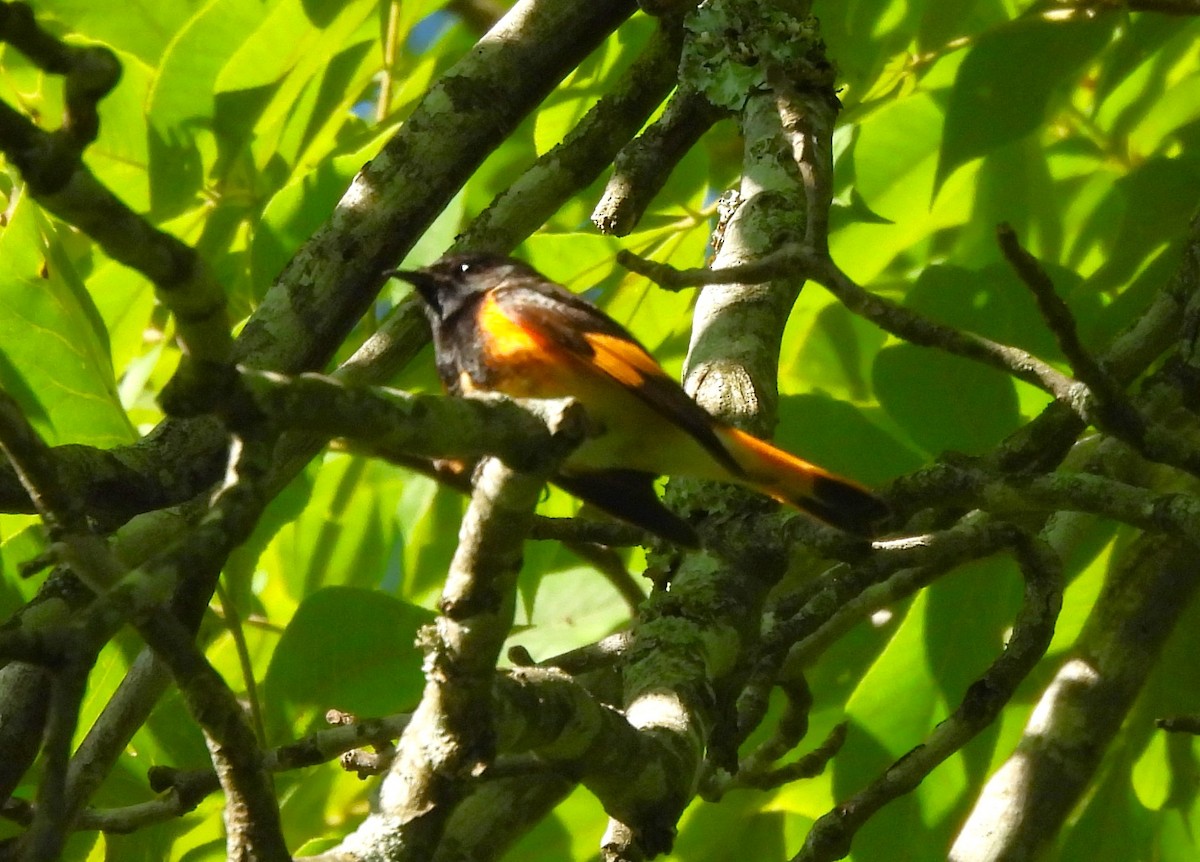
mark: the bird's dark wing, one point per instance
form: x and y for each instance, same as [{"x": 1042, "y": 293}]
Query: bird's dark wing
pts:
[{"x": 552, "y": 315}]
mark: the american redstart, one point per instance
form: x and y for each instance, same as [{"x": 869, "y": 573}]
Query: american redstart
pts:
[{"x": 501, "y": 326}]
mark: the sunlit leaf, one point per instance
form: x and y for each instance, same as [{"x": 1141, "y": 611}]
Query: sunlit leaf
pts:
[
  {"x": 293, "y": 35},
  {"x": 1151, "y": 774},
  {"x": 1007, "y": 84},
  {"x": 56, "y": 361},
  {"x": 142, "y": 29},
  {"x": 182, "y": 100}
]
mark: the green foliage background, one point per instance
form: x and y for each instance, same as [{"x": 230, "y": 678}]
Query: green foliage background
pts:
[{"x": 238, "y": 125}]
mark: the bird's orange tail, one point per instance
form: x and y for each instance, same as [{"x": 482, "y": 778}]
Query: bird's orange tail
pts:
[{"x": 779, "y": 474}]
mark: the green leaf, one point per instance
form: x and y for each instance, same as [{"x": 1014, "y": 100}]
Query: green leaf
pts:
[
  {"x": 568, "y": 831},
  {"x": 943, "y": 22},
  {"x": 994, "y": 303},
  {"x": 1176, "y": 837},
  {"x": 118, "y": 156},
  {"x": 563, "y": 110},
  {"x": 55, "y": 352},
  {"x": 968, "y": 617},
  {"x": 896, "y": 701},
  {"x": 349, "y": 649},
  {"x": 23, "y": 539},
  {"x": 1011, "y": 81},
  {"x": 826, "y": 349},
  {"x": 294, "y": 36},
  {"x": 895, "y": 157},
  {"x": 300, "y": 207},
  {"x": 1134, "y": 74},
  {"x": 182, "y": 101},
  {"x": 548, "y": 841},
  {"x": 736, "y": 829},
  {"x": 125, "y": 302},
  {"x": 142, "y": 29},
  {"x": 313, "y": 106},
  {"x": 83, "y": 845},
  {"x": 1014, "y": 186},
  {"x": 894, "y": 161},
  {"x": 1087, "y": 569},
  {"x": 860, "y": 761},
  {"x": 346, "y": 532},
  {"x": 840, "y": 437},
  {"x": 864, "y": 36},
  {"x": 1112, "y": 826},
  {"x": 1174, "y": 111},
  {"x": 895, "y": 705},
  {"x": 574, "y": 605},
  {"x": 429, "y": 517},
  {"x": 170, "y": 735},
  {"x": 945, "y": 402},
  {"x": 1152, "y": 774},
  {"x": 1146, "y": 210}
]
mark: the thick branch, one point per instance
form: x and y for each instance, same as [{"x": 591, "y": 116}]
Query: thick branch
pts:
[
  {"x": 136, "y": 597},
  {"x": 644, "y": 165},
  {"x": 1027, "y": 800},
  {"x": 451, "y": 736},
  {"x": 476, "y": 105}
]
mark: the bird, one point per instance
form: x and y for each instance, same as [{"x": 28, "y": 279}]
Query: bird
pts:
[{"x": 500, "y": 326}]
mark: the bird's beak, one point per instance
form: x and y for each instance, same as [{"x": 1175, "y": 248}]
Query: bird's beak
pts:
[
  {"x": 425, "y": 282},
  {"x": 412, "y": 276}
]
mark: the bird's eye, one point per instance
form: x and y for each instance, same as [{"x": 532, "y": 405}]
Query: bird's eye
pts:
[{"x": 464, "y": 268}]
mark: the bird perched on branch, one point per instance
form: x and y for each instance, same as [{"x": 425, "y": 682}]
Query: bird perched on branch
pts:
[{"x": 501, "y": 326}]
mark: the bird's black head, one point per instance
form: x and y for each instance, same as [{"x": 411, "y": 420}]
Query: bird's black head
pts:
[{"x": 451, "y": 282}]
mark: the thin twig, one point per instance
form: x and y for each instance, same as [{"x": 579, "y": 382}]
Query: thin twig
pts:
[
  {"x": 602, "y": 654},
  {"x": 233, "y": 625},
  {"x": 796, "y": 261},
  {"x": 184, "y": 790},
  {"x": 391, "y": 41},
  {"x": 51, "y": 824},
  {"x": 1180, "y": 724},
  {"x": 851, "y": 595},
  {"x": 1111, "y": 397},
  {"x": 612, "y": 534},
  {"x": 810, "y": 765}
]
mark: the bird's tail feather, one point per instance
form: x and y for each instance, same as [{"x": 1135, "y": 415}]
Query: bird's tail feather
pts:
[{"x": 779, "y": 474}]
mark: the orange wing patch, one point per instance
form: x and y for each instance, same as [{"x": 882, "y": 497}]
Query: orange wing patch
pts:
[{"x": 622, "y": 359}]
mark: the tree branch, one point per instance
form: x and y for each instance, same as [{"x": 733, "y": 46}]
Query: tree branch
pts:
[
  {"x": 451, "y": 736},
  {"x": 797, "y": 261},
  {"x": 451, "y": 739},
  {"x": 1032, "y": 630},
  {"x": 643, "y": 166},
  {"x": 1026, "y": 801},
  {"x": 583, "y": 154}
]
